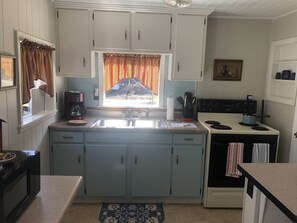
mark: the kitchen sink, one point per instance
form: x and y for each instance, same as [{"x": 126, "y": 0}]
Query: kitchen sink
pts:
[
  {"x": 129, "y": 123},
  {"x": 148, "y": 123}
]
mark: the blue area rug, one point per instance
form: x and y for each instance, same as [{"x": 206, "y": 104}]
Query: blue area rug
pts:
[{"x": 131, "y": 213}]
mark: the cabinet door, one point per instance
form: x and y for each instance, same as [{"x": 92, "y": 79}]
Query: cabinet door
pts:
[
  {"x": 151, "y": 32},
  {"x": 187, "y": 167},
  {"x": 68, "y": 159},
  {"x": 73, "y": 34},
  {"x": 106, "y": 170},
  {"x": 189, "y": 48},
  {"x": 150, "y": 170},
  {"x": 111, "y": 30}
]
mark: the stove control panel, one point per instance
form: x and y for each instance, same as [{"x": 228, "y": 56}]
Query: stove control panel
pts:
[{"x": 227, "y": 106}]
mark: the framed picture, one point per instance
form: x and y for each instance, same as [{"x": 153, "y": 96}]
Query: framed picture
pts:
[
  {"x": 227, "y": 70},
  {"x": 8, "y": 72}
]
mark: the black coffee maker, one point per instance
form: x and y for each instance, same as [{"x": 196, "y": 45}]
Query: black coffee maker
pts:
[
  {"x": 74, "y": 105},
  {"x": 188, "y": 106}
]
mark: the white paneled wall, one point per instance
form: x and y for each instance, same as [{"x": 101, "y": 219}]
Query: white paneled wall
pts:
[{"x": 37, "y": 18}]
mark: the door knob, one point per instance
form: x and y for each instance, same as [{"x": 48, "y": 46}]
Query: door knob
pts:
[{"x": 295, "y": 134}]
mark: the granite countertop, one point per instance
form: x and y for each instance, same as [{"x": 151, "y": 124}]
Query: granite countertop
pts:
[
  {"x": 55, "y": 196},
  {"x": 63, "y": 126},
  {"x": 277, "y": 181}
]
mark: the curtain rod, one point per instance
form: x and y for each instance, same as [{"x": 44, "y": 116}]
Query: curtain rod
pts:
[{"x": 25, "y": 42}]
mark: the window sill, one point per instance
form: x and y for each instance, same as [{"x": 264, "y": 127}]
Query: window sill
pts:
[{"x": 33, "y": 120}]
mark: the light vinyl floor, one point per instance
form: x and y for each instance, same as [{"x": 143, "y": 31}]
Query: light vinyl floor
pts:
[{"x": 174, "y": 213}]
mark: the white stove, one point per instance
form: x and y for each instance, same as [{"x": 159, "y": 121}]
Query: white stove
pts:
[
  {"x": 234, "y": 121},
  {"x": 219, "y": 190}
]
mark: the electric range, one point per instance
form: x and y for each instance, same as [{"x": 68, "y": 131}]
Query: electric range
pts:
[{"x": 223, "y": 120}]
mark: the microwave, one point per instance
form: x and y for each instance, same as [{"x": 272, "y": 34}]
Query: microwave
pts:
[{"x": 19, "y": 184}]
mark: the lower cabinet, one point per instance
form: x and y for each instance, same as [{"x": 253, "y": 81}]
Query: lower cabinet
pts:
[
  {"x": 187, "y": 169},
  {"x": 151, "y": 167},
  {"x": 68, "y": 159},
  {"x": 131, "y": 165},
  {"x": 105, "y": 170}
]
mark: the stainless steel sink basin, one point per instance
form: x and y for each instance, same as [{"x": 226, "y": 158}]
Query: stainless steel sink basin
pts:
[
  {"x": 148, "y": 123},
  {"x": 129, "y": 123},
  {"x": 112, "y": 123}
]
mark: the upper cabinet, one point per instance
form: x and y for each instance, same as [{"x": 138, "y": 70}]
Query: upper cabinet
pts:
[
  {"x": 281, "y": 83},
  {"x": 73, "y": 43},
  {"x": 131, "y": 31},
  {"x": 151, "y": 32},
  {"x": 111, "y": 30},
  {"x": 189, "y": 47}
]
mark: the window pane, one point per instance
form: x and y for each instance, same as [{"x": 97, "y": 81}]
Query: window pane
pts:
[{"x": 131, "y": 80}]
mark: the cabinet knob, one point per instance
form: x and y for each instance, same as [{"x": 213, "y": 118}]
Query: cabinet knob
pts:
[
  {"x": 188, "y": 139},
  {"x": 84, "y": 62},
  {"x": 126, "y": 37},
  {"x": 79, "y": 158},
  {"x": 295, "y": 134},
  {"x": 177, "y": 66},
  {"x": 135, "y": 160},
  {"x": 138, "y": 34},
  {"x": 67, "y": 137},
  {"x": 122, "y": 159},
  {"x": 177, "y": 159}
]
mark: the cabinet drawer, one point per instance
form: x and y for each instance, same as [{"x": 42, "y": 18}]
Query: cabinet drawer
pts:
[
  {"x": 151, "y": 138},
  {"x": 188, "y": 138},
  {"x": 68, "y": 136},
  {"x": 107, "y": 137}
]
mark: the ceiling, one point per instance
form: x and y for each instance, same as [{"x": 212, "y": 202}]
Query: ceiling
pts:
[{"x": 262, "y": 9}]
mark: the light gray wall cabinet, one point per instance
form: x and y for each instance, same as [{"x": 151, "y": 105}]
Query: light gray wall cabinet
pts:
[
  {"x": 131, "y": 31},
  {"x": 73, "y": 43},
  {"x": 111, "y": 30},
  {"x": 189, "y": 47},
  {"x": 125, "y": 164}
]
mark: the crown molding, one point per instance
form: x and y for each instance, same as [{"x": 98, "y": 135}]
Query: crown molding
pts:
[{"x": 132, "y": 7}]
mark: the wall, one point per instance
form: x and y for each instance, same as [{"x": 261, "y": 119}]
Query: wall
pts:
[
  {"x": 247, "y": 40},
  {"x": 283, "y": 115},
  {"x": 37, "y": 18}
]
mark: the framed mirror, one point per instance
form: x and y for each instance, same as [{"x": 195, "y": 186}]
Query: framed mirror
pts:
[{"x": 8, "y": 72}]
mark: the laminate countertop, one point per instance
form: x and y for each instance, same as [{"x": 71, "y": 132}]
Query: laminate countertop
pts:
[
  {"x": 55, "y": 196},
  {"x": 176, "y": 126},
  {"x": 277, "y": 181}
]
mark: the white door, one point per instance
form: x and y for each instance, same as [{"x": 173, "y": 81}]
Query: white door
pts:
[{"x": 293, "y": 149}]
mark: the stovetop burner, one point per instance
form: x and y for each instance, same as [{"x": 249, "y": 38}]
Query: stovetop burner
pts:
[
  {"x": 260, "y": 128},
  {"x": 241, "y": 123},
  {"x": 212, "y": 122},
  {"x": 219, "y": 126}
]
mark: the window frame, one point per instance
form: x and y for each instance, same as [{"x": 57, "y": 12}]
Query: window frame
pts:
[
  {"x": 50, "y": 110},
  {"x": 97, "y": 60}
]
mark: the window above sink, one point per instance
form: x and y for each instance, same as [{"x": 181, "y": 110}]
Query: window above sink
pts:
[{"x": 131, "y": 80}]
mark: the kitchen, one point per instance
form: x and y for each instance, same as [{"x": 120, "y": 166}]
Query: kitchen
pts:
[{"x": 236, "y": 38}]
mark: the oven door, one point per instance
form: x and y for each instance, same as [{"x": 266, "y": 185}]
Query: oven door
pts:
[{"x": 218, "y": 156}]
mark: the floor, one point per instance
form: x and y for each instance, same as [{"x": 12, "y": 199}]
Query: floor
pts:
[{"x": 174, "y": 213}]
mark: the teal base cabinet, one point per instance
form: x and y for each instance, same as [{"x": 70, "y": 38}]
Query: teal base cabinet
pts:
[
  {"x": 131, "y": 165},
  {"x": 68, "y": 155},
  {"x": 150, "y": 170},
  {"x": 105, "y": 170},
  {"x": 187, "y": 165}
]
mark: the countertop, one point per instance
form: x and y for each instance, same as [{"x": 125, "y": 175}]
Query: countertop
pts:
[
  {"x": 55, "y": 196},
  {"x": 63, "y": 126},
  {"x": 277, "y": 181}
]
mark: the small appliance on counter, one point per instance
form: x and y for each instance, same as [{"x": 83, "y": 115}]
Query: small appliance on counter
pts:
[
  {"x": 74, "y": 105},
  {"x": 188, "y": 106},
  {"x": 19, "y": 183}
]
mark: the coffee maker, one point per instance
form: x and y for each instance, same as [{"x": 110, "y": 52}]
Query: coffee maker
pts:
[{"x": 74, "y": 105}]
